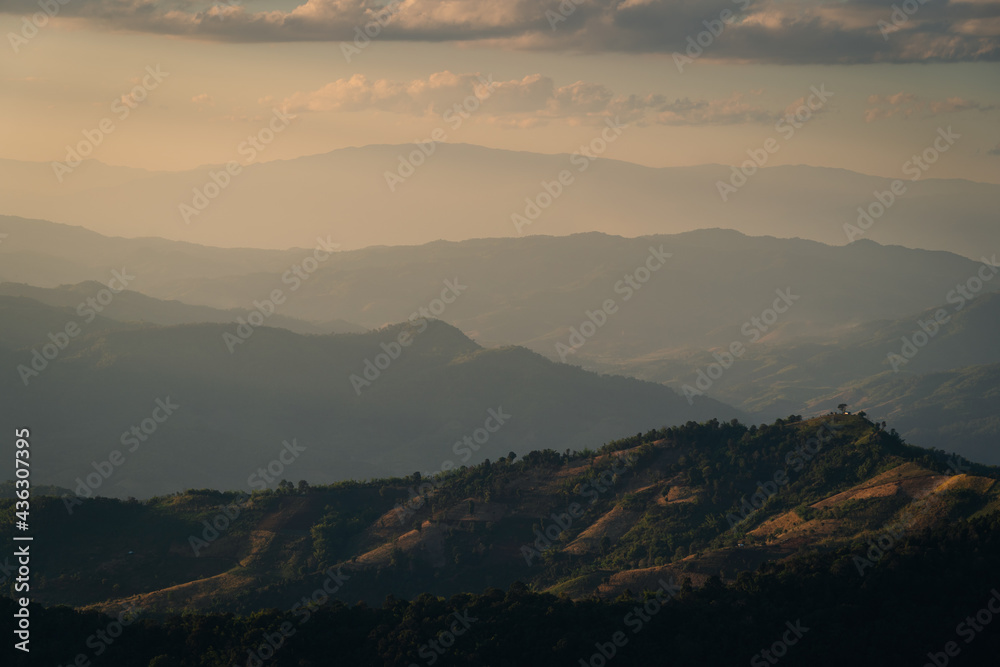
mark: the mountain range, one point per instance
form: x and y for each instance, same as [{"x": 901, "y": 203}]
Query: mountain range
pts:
[
  {"x": 463, "y": 192},
  {"x": 361, "y": 405},
  {"x": 843, "y": 330}
]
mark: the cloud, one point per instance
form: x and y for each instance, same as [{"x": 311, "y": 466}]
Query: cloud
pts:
[
  {"x": 772, "y": 31},
  {"x": 804, "y": 108},
  {"x": 432, "y": 95},
  {"x": 727, "y": 111},
  {"x": 528, "y": 102},
  {"x": 909, "y": 105},
  {"x": 994, "y": 151},
  {"x": 203, "y": 100}
]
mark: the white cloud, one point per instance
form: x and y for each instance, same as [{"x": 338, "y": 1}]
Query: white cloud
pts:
[
  {"x": 203, "y": 100},
  {"x": 524, "y": 103},
  {"x": 909, "y": 105}
]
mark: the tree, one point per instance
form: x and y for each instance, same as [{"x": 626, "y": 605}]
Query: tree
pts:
[
  {"x": 842, "y": 407},
  {"x": 696, "y": 477}
]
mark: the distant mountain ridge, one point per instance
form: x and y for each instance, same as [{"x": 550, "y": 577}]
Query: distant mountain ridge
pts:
[
  {"x": 525, "y": 291},
  {"x": 465, "y": 191},
  {"x": 363, "y": 405},
  {"x": 850, "y": 306},
  {"x": 129, "y": 306}
]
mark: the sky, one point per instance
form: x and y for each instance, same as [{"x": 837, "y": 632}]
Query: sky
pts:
[{"x": 184, "y": 83}]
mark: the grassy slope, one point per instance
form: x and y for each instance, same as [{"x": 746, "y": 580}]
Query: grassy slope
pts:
[{"x": 665, "y": 515}]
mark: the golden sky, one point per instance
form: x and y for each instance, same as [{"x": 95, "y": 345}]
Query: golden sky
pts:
[{"x": 556, "y": 78}]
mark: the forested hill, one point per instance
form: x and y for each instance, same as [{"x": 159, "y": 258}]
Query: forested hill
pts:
[
  {"x": 715, "y": 498},
  {"x": 876, "y": 547},
  {"x": 923, "y": 601}
]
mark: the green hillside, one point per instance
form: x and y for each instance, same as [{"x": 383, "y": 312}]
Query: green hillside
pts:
[
  {"x": 699, "y": 500},
  {"x": 667, "y": 520}
]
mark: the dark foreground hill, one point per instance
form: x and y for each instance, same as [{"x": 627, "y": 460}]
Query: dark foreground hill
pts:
[
  {"x": 829, "y": 540},
  {"x": 935, "y": 594}
]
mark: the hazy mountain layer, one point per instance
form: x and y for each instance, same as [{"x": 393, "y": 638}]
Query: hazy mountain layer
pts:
[
  {"x": 956, "y": 410},
  {"x": 464, "y": 191},
  {"x": 706, "y": 286},
  {"x": 160, "y": 409},
  {"x": 932, "y": 374},
  {"x": 129, "y": 306},
  {"x": 590, "y": 299}
]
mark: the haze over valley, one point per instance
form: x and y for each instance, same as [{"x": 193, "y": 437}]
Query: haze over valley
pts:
[{"x": 571, "y": 332}]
